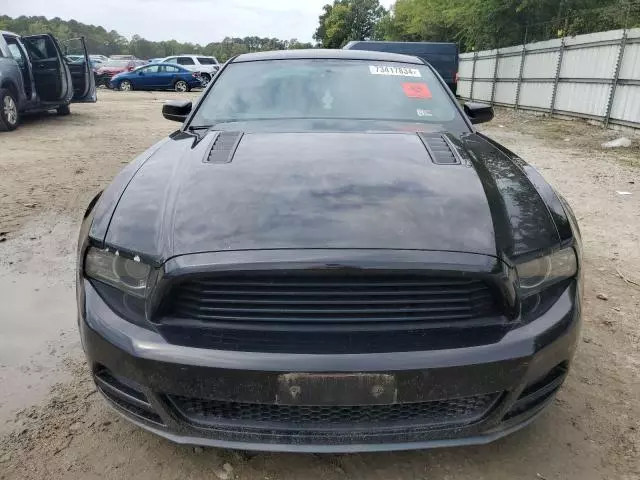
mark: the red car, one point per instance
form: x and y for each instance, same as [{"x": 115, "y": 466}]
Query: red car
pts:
[{"x": 113, "y": 67}]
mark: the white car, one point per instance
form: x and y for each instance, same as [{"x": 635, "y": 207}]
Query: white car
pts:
[
  {"x": 99, "y": 58},
  {"x": 206, "y": 66}
]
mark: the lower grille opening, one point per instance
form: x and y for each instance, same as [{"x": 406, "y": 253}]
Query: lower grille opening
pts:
[
  {"x": 538, "y": 393},
  {"x": 133, "y": 409},
  {"x": 344, "y": 340},
  {"x": 459, "y": 411},
  {"x": 125, "y": 394},
  {"x": 104, "y": 375}
]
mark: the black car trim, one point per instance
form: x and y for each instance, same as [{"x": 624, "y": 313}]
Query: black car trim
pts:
[
  {"x": 544, "y": 190},
  {"x": 110, "y": 198},
  {"x": 210, "y": 413},
  {"x": 147, "y": 344},
  {"x": 127, "y": 397},
  {"x": 440, "y": 149},
  {"x": 192, "y": 438},
  {"x": 535, "y": 361},
  {"x": 224, "y": 147}
]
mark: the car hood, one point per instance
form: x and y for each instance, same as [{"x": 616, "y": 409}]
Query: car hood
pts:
[{"x": 230, "y": 191}]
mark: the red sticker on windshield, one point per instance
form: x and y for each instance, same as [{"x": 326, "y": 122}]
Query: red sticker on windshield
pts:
[{"x": 416, "y": 90}]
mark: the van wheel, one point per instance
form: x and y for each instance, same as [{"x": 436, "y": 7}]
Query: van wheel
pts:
[
  {"x": 9, "y": 115},
  {"x": 63, "y": 110}
]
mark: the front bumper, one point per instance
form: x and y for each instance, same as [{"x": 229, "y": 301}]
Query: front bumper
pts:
[
  {"x": 141, "y": 374},
  {"x": 104, "y": 79}
]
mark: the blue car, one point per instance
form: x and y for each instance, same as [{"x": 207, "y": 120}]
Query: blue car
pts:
[{"x": 156, "y": 76}]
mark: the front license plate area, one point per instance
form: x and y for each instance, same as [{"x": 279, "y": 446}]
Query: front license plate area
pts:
[{"x": 336, "y": 389}]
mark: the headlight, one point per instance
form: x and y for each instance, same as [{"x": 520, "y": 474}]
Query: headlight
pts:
[
  {"x": 544, "y": 271},
  {"x": 127, "y": 275}
]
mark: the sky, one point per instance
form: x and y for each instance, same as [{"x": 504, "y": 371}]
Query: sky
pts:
[{"x": 198, "y": 21}]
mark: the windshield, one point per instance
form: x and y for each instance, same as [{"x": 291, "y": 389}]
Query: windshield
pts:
[{"x": 328, "y": 89}]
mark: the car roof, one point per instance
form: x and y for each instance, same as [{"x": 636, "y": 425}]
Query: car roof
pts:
[
  {"x": 162, "y": 64},
  {"x": 390, "y": 42},
  {"x": 6, "y": 32},
  {"x": 190, "y": 55},
  {"x": 327, "y": 54}
]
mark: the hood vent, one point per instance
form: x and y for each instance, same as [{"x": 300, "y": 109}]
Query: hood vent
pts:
[
  {"x": 224, "y": 147},
  {"x": 439, "y": 148}
]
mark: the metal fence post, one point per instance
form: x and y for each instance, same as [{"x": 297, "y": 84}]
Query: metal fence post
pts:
[
  {"x": 523, "y": 58},
  {"x": 473, "y": 74},
  {"x": 616, "y": 76},
  {"x": 495, "y": 76},
  {"x": 557, "y": 79}
]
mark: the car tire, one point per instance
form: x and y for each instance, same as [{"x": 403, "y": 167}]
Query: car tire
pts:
[
  {"x": 181, "y": 86},
  {"x": 125, "y": 86},
  {"x": 9, "y": 114},
  {"x": 205, "y": 78},
  {"x": 63, "y": 110}
]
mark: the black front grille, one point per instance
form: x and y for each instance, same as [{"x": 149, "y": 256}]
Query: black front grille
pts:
[
  {"x": 464, "y": 410},
  {"x": 331, "y": 297}
]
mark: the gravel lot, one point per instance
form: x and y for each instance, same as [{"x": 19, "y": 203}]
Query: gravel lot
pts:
[{"x": 53, "y": 425}]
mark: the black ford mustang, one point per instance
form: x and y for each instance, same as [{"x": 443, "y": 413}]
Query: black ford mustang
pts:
[{"x": 328, "y": 257}]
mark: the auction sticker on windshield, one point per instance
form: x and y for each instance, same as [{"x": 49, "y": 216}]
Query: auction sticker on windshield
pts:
[
  {"x": 394, "y": 71},
  {"x": 416, "y": 90}
]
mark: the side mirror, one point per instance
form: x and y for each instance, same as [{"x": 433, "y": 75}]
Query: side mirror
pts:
[
  {"x": 141, "y": 73},
  {"x": 176, "y": 110},
  {"x": 478, "y": 112}
]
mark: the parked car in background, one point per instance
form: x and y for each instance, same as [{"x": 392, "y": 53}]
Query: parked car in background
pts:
[
  {"x": 123, "y": 57},
  {"x": 95, "y": 64},
  {"x": 157, "y": 76},
  {"x": 107, "y": 70},
  {"x": 205, "y": 66},
  {"x": 444, "y": 57},
  {"x": 99, "y": 58},
  {"x": 35, "y": 76}
]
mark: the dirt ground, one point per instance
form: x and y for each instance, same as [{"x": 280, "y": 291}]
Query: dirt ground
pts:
[{"x": 53, "y": 425}]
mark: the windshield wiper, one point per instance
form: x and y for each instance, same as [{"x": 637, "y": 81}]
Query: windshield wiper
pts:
[{"x": 199, "y": 130}]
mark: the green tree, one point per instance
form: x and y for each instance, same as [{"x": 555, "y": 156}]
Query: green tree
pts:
[
  {"x": 347, "y": 20},
  {"x": 365, "y": 14},
  {"x": 422, "y": 20},
  {"x": 482, "y": 24},
  {"x": 337, "y": 26},
  {"x": 101, "y": 41}
]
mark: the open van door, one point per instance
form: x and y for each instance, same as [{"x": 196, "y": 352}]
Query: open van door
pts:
[
  {"x": 82, "y": 76},
  {"x": 58, "y": 80},
  {"x": 50, "y": 73}
]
